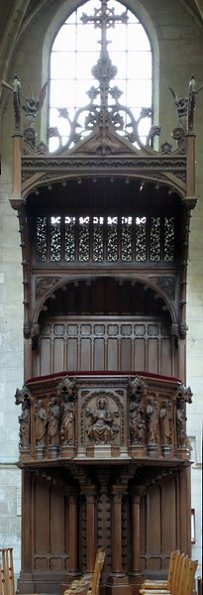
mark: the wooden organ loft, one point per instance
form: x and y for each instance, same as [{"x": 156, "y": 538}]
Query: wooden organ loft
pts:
[{"x": 103, "y": 448}]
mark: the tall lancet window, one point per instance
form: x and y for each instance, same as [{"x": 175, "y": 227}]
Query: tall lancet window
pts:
[{"x": 99, "y": 30}]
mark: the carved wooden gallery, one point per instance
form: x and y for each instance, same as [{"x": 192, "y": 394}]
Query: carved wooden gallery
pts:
[{"x": 103, "y": 449}]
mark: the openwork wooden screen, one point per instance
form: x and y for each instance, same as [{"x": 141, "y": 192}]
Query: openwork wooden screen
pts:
[{"x": 104, "y": 238}]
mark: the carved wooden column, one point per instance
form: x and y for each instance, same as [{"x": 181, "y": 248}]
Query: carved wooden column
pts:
[
  {"x": 25, "y": 581},
  {"x": 135, "y": 531},
  {"x": 118, "y": 580},
  {"x": 185, "y": 511},
  {"x": 17, "y": 151},
  {"x": 73, "y": 533},
  {"x": 90, "y": 494},
  {"x": 190, "y": 177},
  {"x": 117, "y": 530},
  {"x": 136, "y": 577}
]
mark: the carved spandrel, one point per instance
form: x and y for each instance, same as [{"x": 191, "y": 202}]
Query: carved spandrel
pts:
[{"x": 43, "y": 286}]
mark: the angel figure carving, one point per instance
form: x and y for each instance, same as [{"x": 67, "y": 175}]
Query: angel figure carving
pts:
[
  {"x": 32, "y": 106},
  {"x": 185, "y": 106}
]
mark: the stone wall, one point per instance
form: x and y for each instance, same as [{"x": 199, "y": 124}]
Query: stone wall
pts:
[{"x": 178, "y": 42}]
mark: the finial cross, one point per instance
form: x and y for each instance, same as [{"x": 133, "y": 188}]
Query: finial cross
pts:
[{"x": 104, "y": 18}]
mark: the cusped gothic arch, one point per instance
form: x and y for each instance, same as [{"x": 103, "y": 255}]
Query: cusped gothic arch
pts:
[{"x": 164, "y": 292}]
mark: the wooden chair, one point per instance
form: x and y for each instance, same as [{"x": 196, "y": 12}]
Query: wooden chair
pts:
[
  {"x": 89, "y": 583},
  {"x": 1, "y": 584},
  {"x": 199, "y": 585},
  {"x": 163, "y": 584},
  {"x": 94, "y": 588},
  {"x": 174, "y": 580},
  {"x": 189, "y": 584},
  {"x": 7, "y": 586},
  {"x": 182, "y": 579}
]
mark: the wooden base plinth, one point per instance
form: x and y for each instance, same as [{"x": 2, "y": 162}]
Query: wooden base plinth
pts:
[
  {"x": 48, "y": 582},
  {"x": 136, "y": 579},
  {"x": 117, "y": 584}
]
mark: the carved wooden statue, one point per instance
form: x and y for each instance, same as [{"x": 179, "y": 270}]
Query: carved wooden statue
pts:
[
  {"x": 102, "y": 429},
  {"x": 152, "y": 421},
  {"x": 53, "y": 421},
  {"x": 166, "y": 422},
  {"x": 40, "y": 423},
  {"x": 24, "y": 421},
  {"x": 67, "y": 429}
]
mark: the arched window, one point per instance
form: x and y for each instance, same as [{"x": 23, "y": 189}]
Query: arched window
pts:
[{"x": 76, "y": 50}]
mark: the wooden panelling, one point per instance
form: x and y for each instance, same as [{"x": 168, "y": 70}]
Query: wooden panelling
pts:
[
  {"x": 160, "y": 519},
  {"x": 49, "y": 527},
  {"x": 104, "y": 343}
]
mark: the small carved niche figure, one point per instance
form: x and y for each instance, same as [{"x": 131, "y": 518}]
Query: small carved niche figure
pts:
[
  {"x": 40, "y": 423},
  {"x": 53, "y": 421},
  {"x": 181, "y": 422},
  {"x": 152, "y": 421},
  {"x": 24, "y": 421},
  {"x": 103, "y": 428},
  {"x": 165, "y": 417},
  {"x": 67, "y": 430},
  {"x": 137, "y": 421}
]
